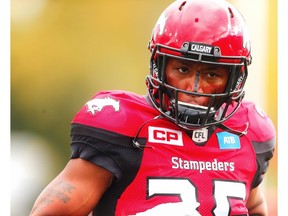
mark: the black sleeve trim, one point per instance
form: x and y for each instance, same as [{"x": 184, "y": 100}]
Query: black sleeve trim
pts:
[
  {"x": 262, "y": 147},
  {"x": 101, "y": 134},
  {"x": 264, "y": 152},
  {"x": 95, "y": 156},
  {"x": 112, "y": 151}
]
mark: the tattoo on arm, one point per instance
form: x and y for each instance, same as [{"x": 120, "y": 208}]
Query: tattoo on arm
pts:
[{"x": 60, "y": 191}]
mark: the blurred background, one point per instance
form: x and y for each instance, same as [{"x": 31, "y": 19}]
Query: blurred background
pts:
[{"x": 62, "y": 52}]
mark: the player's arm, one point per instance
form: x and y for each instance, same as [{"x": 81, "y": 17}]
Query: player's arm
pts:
[
  {"x": 256, "y": 203},
  {"x": 75, "y": 191}
]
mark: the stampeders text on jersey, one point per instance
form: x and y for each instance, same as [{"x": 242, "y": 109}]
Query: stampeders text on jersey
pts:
[{"x": 215, "y": 165}]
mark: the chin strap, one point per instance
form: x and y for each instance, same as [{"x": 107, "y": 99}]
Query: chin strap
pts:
[
  {"x": 234, "y": 131},
  {"x": 134, "y": 141}
]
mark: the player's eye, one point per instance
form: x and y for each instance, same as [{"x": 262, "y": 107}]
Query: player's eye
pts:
[
  {"x": 212, "y": 75},
  {"x": 183, "y": 69}
]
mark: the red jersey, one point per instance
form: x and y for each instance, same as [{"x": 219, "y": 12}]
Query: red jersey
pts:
[{"x": 161, "y": 169}]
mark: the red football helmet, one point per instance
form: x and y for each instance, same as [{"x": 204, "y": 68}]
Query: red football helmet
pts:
[{"x": 208, "y": 31}]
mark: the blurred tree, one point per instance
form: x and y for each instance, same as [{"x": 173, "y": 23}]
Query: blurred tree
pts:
[{"x": 69, "y": 51}]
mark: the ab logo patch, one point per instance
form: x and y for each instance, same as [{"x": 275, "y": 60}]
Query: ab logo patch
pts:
[{"x": 228, "y": 140}]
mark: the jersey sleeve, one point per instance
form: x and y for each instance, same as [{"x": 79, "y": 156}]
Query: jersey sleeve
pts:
[
  {"x": 103, "y": 129},
  {"x": 109, "y": 150},
  {"x": 263, "y": 136}
]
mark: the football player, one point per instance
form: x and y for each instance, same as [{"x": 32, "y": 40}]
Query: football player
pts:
[{"x": 191, "y": 146}]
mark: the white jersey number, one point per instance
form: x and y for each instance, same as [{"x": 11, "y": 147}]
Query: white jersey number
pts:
[{"x": 184, "y": 188}]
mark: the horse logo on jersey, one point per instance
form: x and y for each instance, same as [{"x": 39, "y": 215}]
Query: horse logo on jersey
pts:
[{"x": 97, "y": 104}]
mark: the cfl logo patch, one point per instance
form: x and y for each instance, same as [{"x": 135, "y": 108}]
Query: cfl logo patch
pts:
[
  {"x": 200, "y": 135},
  {"x": 165, "y": 136}
]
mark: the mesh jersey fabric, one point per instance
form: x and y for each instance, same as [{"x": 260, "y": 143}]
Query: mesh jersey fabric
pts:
[{"x": 169, "y": 170}]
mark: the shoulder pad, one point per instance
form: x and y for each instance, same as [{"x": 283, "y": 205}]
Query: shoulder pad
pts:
[
  {"x": 118, "y": 111},
  {"x": 261, "y": 127}
]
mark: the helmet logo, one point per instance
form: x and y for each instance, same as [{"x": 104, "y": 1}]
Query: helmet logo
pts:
[
  {"x": 98, "y": 104},
  {"x": 201, "y": 48},
  {"x": 161, "y": 22}
]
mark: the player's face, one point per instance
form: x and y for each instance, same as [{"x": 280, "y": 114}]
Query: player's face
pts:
[{"x": 196, "y": 77}]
